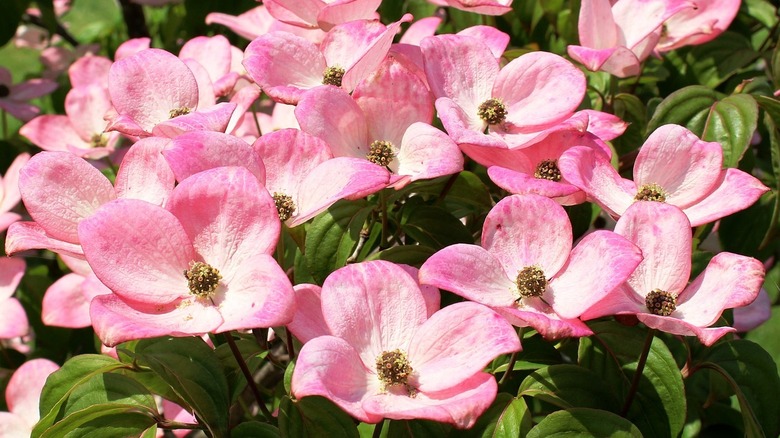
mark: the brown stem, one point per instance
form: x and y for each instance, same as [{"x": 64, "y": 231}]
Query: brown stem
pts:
[{"x": 248, "y": 375}]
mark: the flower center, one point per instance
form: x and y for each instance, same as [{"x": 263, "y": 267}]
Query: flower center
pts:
[
  {"x": 98, "y": 141},
  {"x": 4, "y": 91},
  {"x": 284, "y": 205},
  {"x": 548, "y": 169},
  {"x": 493, "y": 111},
  {"x": 531, "y": 282},
  {"x": 651, "y": 192},
  {"x": 660, "y": 302},
  {"x": 381, "y": 153},
  {"x": 333, "y": 76},
  {"x": 181, "y": 111},
  {"x": 202, "y": 279},
  {"x": 392, "y": 368}
]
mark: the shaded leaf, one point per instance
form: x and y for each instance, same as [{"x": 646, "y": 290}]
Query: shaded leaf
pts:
[
  {"x": 314, "y": 417},
  {"x": 569, "y": 386},
  {"x": 585, "y": 423}
]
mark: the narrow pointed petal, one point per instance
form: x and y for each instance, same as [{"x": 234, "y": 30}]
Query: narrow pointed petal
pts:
[
  {"x": 599, "y": 263},
  {"x": 663, "y": 233},
  {"x": 592, "y": 172},
  {"x": 684, "y": 166},
  {"x": 489, "y": 284},
  {"x": 734, "y": 191},
  {"x": 528, "y": 230},
  {"x": 436, "y": 351},
  {"x": 25, "y": 235},
  {"x": 386, "y": 313},
  {"x": 115, "y": 321},
  {"x": 228, "y": 216},
  {"x": 130, "y": 229},
  {"x": 730, "y": 280},
  {"x": 60, "y": 189}
]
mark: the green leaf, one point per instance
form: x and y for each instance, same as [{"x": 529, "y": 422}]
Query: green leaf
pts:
[
  {"x": 416, "y": 429},
  {"x": 569, "y": 386},
  {"x": 414, "y": 255},
  {"x": 732, "y": 122},
  {"x": 253, "y": 356},
  {"x": 752, "y": 373},
  {"x": 766, "y": 336},
  {"x": 106, "y": 421},
  {"x": 762, "y": 11},
  {"x": 714, "y": 62},
  {"x": 507, "y": 417},
  {"x": 688, "y": 106},
  {"x": 632, "y": 110},
  {"x": 255, "y": 429},
  {"x": 659, "y": 406},
  {"x": 332, "y": 236},
  {"x": 314, "y": 417},
  {"x": 91, "y": 20},
  {"x": 585, "y": 423},
  {"x": 192, "y": 370},
  {"x": 743, "y": 231},
  {"x": 109, "y": 388},
  {"x": 434, "y": 227},
  {"x": 68, "y": 378}
]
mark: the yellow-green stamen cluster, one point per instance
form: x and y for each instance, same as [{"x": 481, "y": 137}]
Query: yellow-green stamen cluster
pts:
[
  {"x": 333, "y": 76},
  {"x": 548, "y": 169},
  {"x": 381, "y": 153},
  {"x": 492, "y": 111},
  {"x": 202, "y": 279},
  {"x": 181, "y": 111},
  {"x": 392, "y": 368},
  {"x": 284, "y": 205},
  {"x": 531, "y": 282},
  {"x": 651, "y": 192},
  {"x": 660, "y": 302}
]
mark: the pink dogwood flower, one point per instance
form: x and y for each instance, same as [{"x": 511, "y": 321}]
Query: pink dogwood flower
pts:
[
  {"x": 386, "y": 358},
  {"x": 532, "y": 93},
  {"x": 697, "y": 25},
  {"x": 321, "y": 13},
  {"x": 66, "y": 302},
  {"x": 483, "y": 7},
  {"x": 257, "y": 21},
  {"x": 155, "y": 93},
  {"x": 23, "y": 395},
  {"x": 616, "y": 36},
  {"x": 9, "y": 191},
  {"x": 285, "y": 65},
  {"x": 673, "y": 166},
  {"x": 658, "y": 292},
  {"x": 13, "y": 319},
  {"x": 527, "y": 270},
  {"x": 14, "y": 97},
  {"x": 200, "y": 265}
]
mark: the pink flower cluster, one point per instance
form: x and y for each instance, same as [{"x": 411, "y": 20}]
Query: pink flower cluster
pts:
[{"x": 182, "y": 242}]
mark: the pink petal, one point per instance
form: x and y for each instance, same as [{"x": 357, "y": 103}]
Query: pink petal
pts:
[
  {"x": 593, "y": 173},
  {"x": 148, "y": 85},
  {"x": 730, "y": 280},
  {"x": 438, "y": 349},
  {"x": 331, "y": 114},
  {"x": 668, "y": 324},
  {"x": 215, "y": 118},
  {"x": 420, "y": 29},
  {"x": 375, "y": 306},
  {"x": 301, "y": 13},
  {"x": 206, "y": 94},
  {"x": 115, "y": 321},
  {"x": 451, "y": 269},
  {"x": 521, "y": 183},
  {"x": 734, "y": 190},
  {"x": 341, "y": 12},
  {"x": 15, "y": 323},
  {"x": 52, "y": 133},
  {"x": 621, "y": 300},
  {"x": 460, "y": 405},
  {"x": 461, "y": 68},
  {"x": 331, "y": 367},
  {"x": 284, "y": 65},
  {"x": 539, "y": 89},
  {"x": 464, "y": 129},
  {"x": 496, "y": 40},
  {"x": 197, "y": 151},
  {"x": 85, "y": 107},
  {"x": 684, "y": 166},
  {"x": 597, "y": 28},
  {"x": 6, "y": 219},
  {"x": 603, "y": 125},
  {"x": 600, "y": 262},
  {"x": 12, "y": 425},
  {"x": 698, "y": 25},
  {"x": 431, "y": 294},
  {"x": 541, "y": 318},
  {"x": 65, "y": 305},
  {"x": 89, "y": 70},
  {"x": 428, "y": 153},
  {"x": 138, "y": 250},
  {"x": 663, "y": 233},
  {"x": 32, "y": 88},
  {"x": 308, "y": 322},
  {"x": 228, "y": 216},
  {"x": 528, "y": 230},
  {"x": 21, "y": 110},
  {"x": 337, "y": 178},
  {"x": 748, "y": 317},
  {"x": 144, "y": 174},
  {"x": 60, "y": 189},
  {"x": 24, "y": 388},
  {"x": 22, "y": 236},
  {"x": 259, "y": 294},
  {"x": 10, "y": 183},
  {"x": 393, "y": 84},
  {"x": 250, "y": 25},
  {"x": 213, "y": 53},
  {"x": 131, "y": 47},
  {"x": 483, "y": 7},
  {"x": 11, "y": 272}
]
